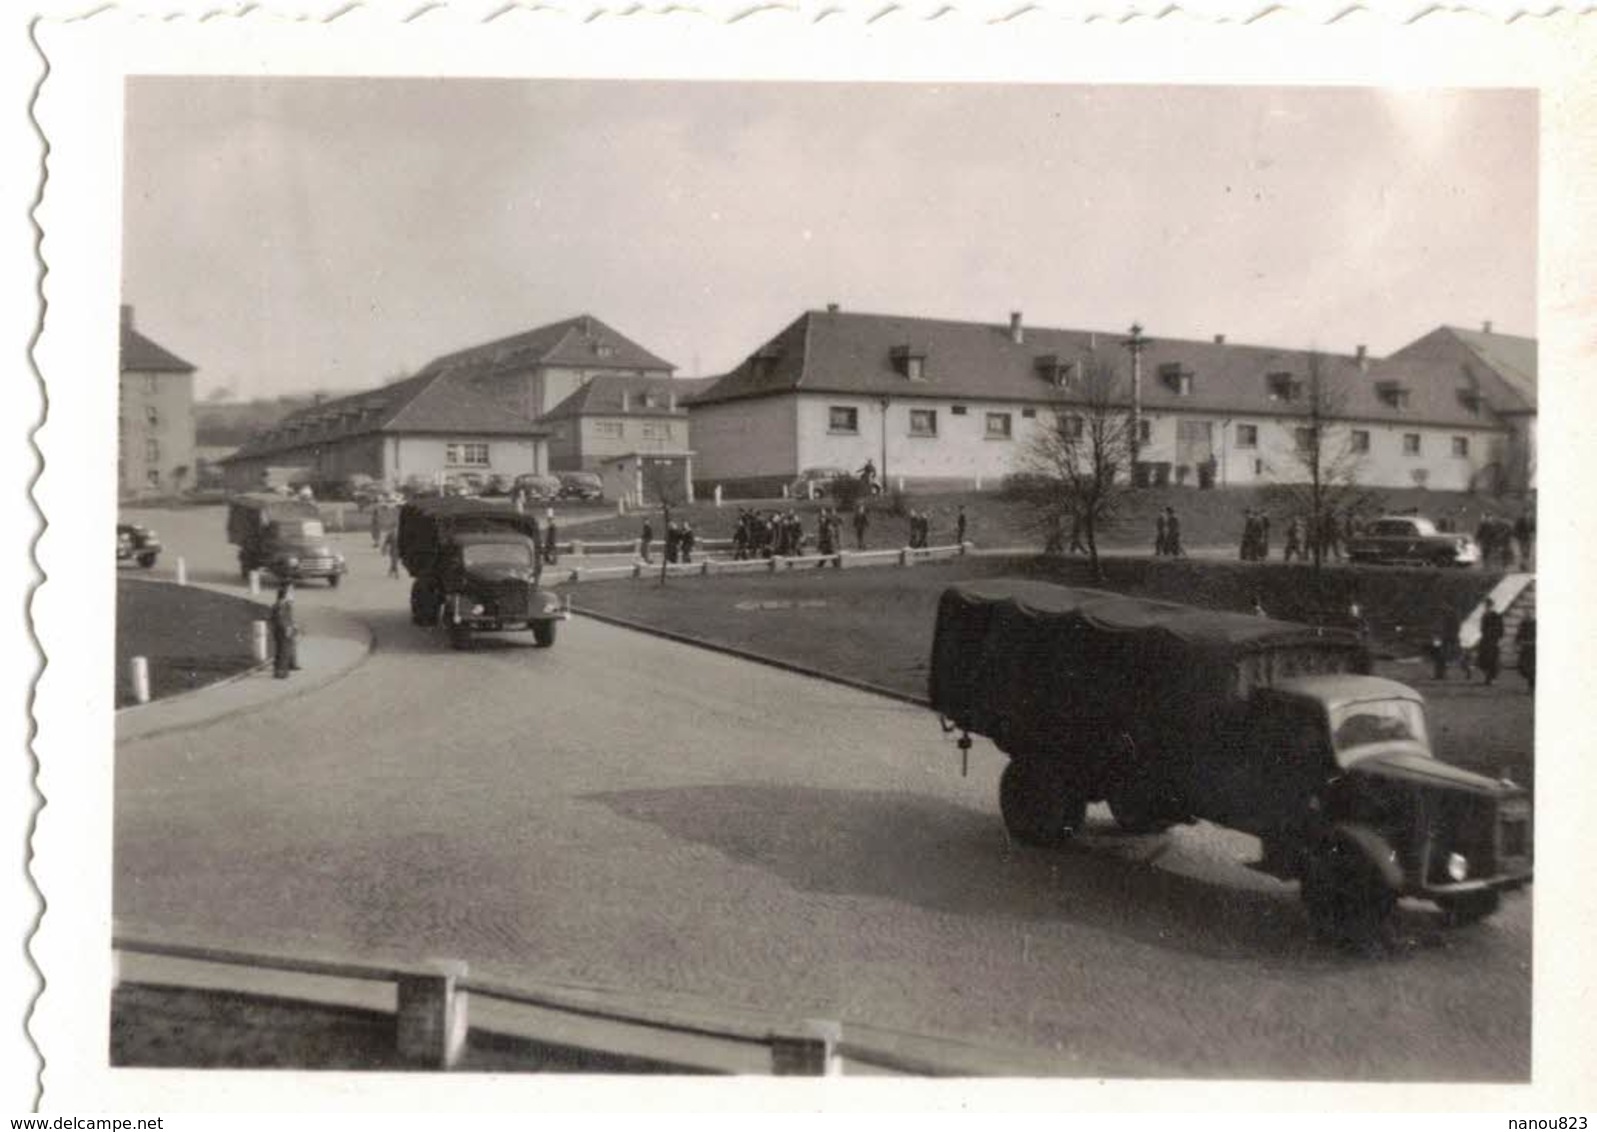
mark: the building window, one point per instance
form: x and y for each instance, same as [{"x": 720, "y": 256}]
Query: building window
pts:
[
  {"x": 1000, "y": 426},
  {"x": 1177, "y": 379},
  {"x": 1028, "y": 414},
  {"x": 1144, "y": 430},
  {"x": 1072, "y": 427},
  {"x": 466, "y": 455},
  {"x": 1411, "y": 444},
  {"x": 1361, "y": 440},
  {"x": 923, "y": 422},
  {"x": 958, "y": 410},
  {"x": 152, "y": 416},
  {"x": 1461, "y": 446},
  {"x": 152, "y": 451},
  {"x": 1284, "y": 387},
  {"x": 915, "y": 368},
  {"x": 842, "y": 418},
  {"x": 659, "y": 431},
  {"x": 1304, "y": 439},
  {"x": 609, "y": 428},
  {"x": 1247, "y": 436},
  {"x": 1392, "y": 394},
  {"x": 153, "y": 477}
]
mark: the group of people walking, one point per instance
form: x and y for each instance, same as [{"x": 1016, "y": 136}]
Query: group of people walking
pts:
[
  {"x": 679, "y": 540},
  {"x": 1499, "y": 540},
  {"x": 1448, "y": 651},
  {"x": 1167, "y": 534},
  {"x": 1303, "y": 535}
]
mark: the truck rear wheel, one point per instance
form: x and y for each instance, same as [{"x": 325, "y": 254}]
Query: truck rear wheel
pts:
[
  {"x": 543, "y": 633},
  {"x": 1461, "y": 911},
  {"x": 1039, "y": 803},
  {"x": 1347, "y": 900},
  {"x": 1135, "y": 810}
]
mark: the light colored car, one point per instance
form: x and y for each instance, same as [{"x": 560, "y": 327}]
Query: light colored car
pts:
[
  {"x": 1411, "y": 539},
  {"x": 820, "y": 479},
  {"x": 539, "y": 488}
]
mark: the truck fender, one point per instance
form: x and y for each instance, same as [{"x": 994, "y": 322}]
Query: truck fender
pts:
[{"x": 1373, "y": 848}]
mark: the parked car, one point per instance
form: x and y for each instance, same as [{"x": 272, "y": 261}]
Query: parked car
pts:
[
  {"x": 820, "y": 478},
  {"x": 283, "y": 537},
  {"x": 138, "y": 543},
  {"x": 497, "y": 486},
  {"x": 539, "y": 488},
  {"x": 581, "y": 485},
  {"x": 1412, "y": 540}
]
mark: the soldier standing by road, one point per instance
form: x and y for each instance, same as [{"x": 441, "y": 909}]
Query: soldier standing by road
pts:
[
  {"x": 1525, "y": 638},
  {"x": 1488, "y": 653},
  {"x": 1294, "y": 540},
  {"x": 285, "y": 648},
  {"x": 646, "y": 539},
  {"x": 1161, "y": 535},
  {"x": 1172, "y": 533},
  {"x": 1525, "y": 536},
  {"x": 960, "y": 526},
  {"x": 861, "y": 521},
  {"x": 549, "y": 537}
]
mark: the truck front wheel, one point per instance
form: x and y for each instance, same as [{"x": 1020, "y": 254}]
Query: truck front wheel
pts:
[
  {"x": 1348, "y": 901},
  {"x": 1039, "y": 804},
  {"x": 543, "y": 633},
  {"x": 1462, "y": 911}
]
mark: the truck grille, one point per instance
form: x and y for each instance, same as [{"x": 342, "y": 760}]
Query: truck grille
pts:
[
  {"x": 511, "y": 600},
  {"x": 1514, "y": 832}
]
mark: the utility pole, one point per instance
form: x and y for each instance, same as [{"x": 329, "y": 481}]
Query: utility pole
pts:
[
  {"x": 884, "y": 402},
  {"x": 1137, "y": 343}
]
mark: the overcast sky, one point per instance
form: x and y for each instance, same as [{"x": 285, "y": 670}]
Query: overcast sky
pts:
[{"x": 286, "y": 235}]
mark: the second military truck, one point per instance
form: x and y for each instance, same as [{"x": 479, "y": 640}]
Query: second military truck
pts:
[
  {"x": 475, "y": 568},
  {"x": 1174, "y": 714}
]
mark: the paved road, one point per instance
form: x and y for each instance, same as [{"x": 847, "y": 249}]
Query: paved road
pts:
[{"x": 629, "y": 812}]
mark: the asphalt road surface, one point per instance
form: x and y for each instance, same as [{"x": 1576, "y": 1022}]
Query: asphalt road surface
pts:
[{"x": 637, "y": 814}]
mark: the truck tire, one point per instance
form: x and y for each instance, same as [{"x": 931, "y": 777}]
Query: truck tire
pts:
[
  {"x": 1348, "y": 901},
  {"x": 543, "y": 633},
  {"x": 1135, "y": 810},
  {"x": 1039, "y": 804},
  {"x": 146, "y": 560},
  {"x": 459, "y": 635},
  {"x": 332, "y": 581},
  {"x": 1461, "y": 911}
]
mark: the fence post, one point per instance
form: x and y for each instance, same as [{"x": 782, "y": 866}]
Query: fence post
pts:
[
  {"x": 432, "y": 1019},
  {"x": 704, "y": 567},
  {"x": 621, "y": 505},
  {"x": 809, "y": 1051},
  {"x": 182, "y": 571},
  {"x": 139, "y": 673},
  {"x": 718, "y": 495},
  {"x": 637, "y": 569},
  {"x": 260, "y": 636},
  {"x": 255, "y": 582},
  {"x": 903, "y": 556}
]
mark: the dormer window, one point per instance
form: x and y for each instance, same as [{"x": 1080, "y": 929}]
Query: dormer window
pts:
[
  {"x": 1176, "y": 379},
  {"x": 1285, "y": 387},
  {"x": 1054, "y": 371},
  {"x": 764, "y": 363},
  {"x": 604, "y": 349},
  {"x": 1392, "y": 394},
  {"x": 1471, "y": 400},
  {"x": 910, "y": 362}
]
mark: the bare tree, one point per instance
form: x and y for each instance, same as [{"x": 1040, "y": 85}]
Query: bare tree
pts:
[
  {"x": 1067, "y": 474},
  {"x": 663, "y": 480},
  {"x": 1323, "y": 458}
]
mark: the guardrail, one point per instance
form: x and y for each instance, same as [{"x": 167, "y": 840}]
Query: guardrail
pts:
[
  {"x": 707, "y": 566},
  {"x": 433, "y": 1008}
]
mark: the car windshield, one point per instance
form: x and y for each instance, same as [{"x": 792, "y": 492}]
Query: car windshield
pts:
[
  {"x": 497, "y": 554},
  {"x": 1364, "y": 724},
  {"x": 301, "y": 530}
]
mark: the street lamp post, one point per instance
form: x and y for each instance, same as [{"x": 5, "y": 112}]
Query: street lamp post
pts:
[
  {"x": 1137, "y": 343},
  {"x": 884, "y": 403}
]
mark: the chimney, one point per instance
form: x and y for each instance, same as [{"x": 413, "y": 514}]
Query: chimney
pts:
[
  {"x": 1017, "y": 334},
  {"x": 626, "y": 401},
  {"x": 832, "y": 308},
  {"x": 1219, "y": 339},
  {"x": 127, "y": 316},
  {"x": 1486, "y": 327},
  {"x": 1361, "y": 354}
]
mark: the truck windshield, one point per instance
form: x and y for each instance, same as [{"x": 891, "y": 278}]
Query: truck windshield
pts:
[
  {"x": 1361, "y": 725},
  {"x": 497, "y": 554},
  {"x": 301, "y": 530}
]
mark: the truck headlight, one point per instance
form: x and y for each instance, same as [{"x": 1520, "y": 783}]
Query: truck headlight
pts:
[
  {"x": 1457, "y": 866},
  {"x": 476, "y": 611}
]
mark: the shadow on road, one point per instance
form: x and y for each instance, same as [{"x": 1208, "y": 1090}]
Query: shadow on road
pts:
[
  {"x": 395, "y": 633},
  {"x": 946, "y": 858}
]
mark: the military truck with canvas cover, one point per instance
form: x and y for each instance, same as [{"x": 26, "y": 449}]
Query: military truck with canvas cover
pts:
[
  {"x": 475, "y": 568},
  {"x": 284, "y": 536},
  {"x": 1174, "y": 714}
]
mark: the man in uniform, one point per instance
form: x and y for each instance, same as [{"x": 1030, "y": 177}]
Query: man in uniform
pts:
[
  {"x": 285, "y": 648},
  {"x": 1488, "y": 654},
  {"x": 646, "y": 539},
  {"x": 861, "y": 521}
]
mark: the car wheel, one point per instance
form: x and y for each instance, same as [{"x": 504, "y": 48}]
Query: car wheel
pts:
[
  {"x": 146, "y": 560},
  {"x": 1461, "y": 911},
  {"x": 1039, "y": 804},
  {"x": 543, "y": 633},
  {"x": 332, "y": 581},
  {"x": 1348, "y": 902}
]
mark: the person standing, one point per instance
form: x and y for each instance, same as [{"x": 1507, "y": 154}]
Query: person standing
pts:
[
  {"x": 961, "y": 525},
  {"x": 646, "y": 539},
  {"x": 1077, "y": 546},
  {"x": 1525, "y": 639},
  {"x": 1172, "y": 533},
  {"x": 1250, "y": 534},
  {"x": 285, "y": 647},
  {"x": 391, "y": 549},
  {"x": 1488, "y": 654},
  {"x": 377, "y": 524},
  {"x": 549, "y": 538},
  {"x": 1261, "y": 548},
  {"x": 1161, "y": 535},
  {"x": 861, "y": 522},
  {"x": 1294, "y": 540},
  {"x": 1524, "y": 535},
  {"x": 686, "y": 539}
]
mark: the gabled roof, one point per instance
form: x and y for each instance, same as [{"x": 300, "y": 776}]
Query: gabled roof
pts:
[
  {"x": 580, "y": 341},
  {"x": 1505, "y": 364},
  {"x": 140, "y": 355},
  {"x": 605, "y": 394},
  {"x": 847, "y": 353},
  {"x": 429, "y": 403}
]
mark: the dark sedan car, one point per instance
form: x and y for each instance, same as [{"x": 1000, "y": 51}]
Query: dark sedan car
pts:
[
  {"x": 1412, "y": 540},
  {"x": 139, "y": 543}
]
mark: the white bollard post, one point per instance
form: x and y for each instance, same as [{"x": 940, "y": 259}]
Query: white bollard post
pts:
[
  {"x": 809, "y": 486},
  {"x": 260, "y": 637},
  {"x": 255, "y": 582},
  {"x": 431, "y": 1018},
  {"x": 139, "y": 672},
  {"x": 978, "y": 483},
  {"x": 785, "y": 490},
  {"x": 901, "y": 485},
  {"x": 621, "y": 505},
  {"x": 718, "y": 495},
  {"x": 182, "y": 572}
]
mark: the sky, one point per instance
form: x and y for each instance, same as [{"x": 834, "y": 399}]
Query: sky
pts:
[{"x": 289, "y": 235}]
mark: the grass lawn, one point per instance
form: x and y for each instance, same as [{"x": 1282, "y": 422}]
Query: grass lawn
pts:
[
  {"x": 874, "y": 625},
  {"x": 191, "y": 637}
]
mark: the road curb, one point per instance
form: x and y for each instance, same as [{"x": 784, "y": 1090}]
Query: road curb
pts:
[{"x": 757, "y": 658}]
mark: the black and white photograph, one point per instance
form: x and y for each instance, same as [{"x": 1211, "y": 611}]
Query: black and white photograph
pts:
[{"x": 634, "y": 577}]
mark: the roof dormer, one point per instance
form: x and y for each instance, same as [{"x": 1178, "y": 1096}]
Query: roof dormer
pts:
[
  {"x": 1177, "y": 378},
  {"x": 1393, "y": 394},
  {"x": 1055, "y": 371},
  {"x": 1284, "y": 386},
  {"x": 909, "y": 361}
]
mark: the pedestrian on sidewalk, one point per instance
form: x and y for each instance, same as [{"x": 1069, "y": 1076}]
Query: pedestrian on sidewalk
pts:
[
  {"x": 960, "y": 526},
  {"x": 391, "y": 549},
  {"x": 1172, "y": 533},
  {"x": 1488, "y": 654},
  {"x": 549, "y": 536},
  {"x": 285, "y": 647},
  {"x": 646, "y": 539},
  {"x": 1161, "y": 535}
]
